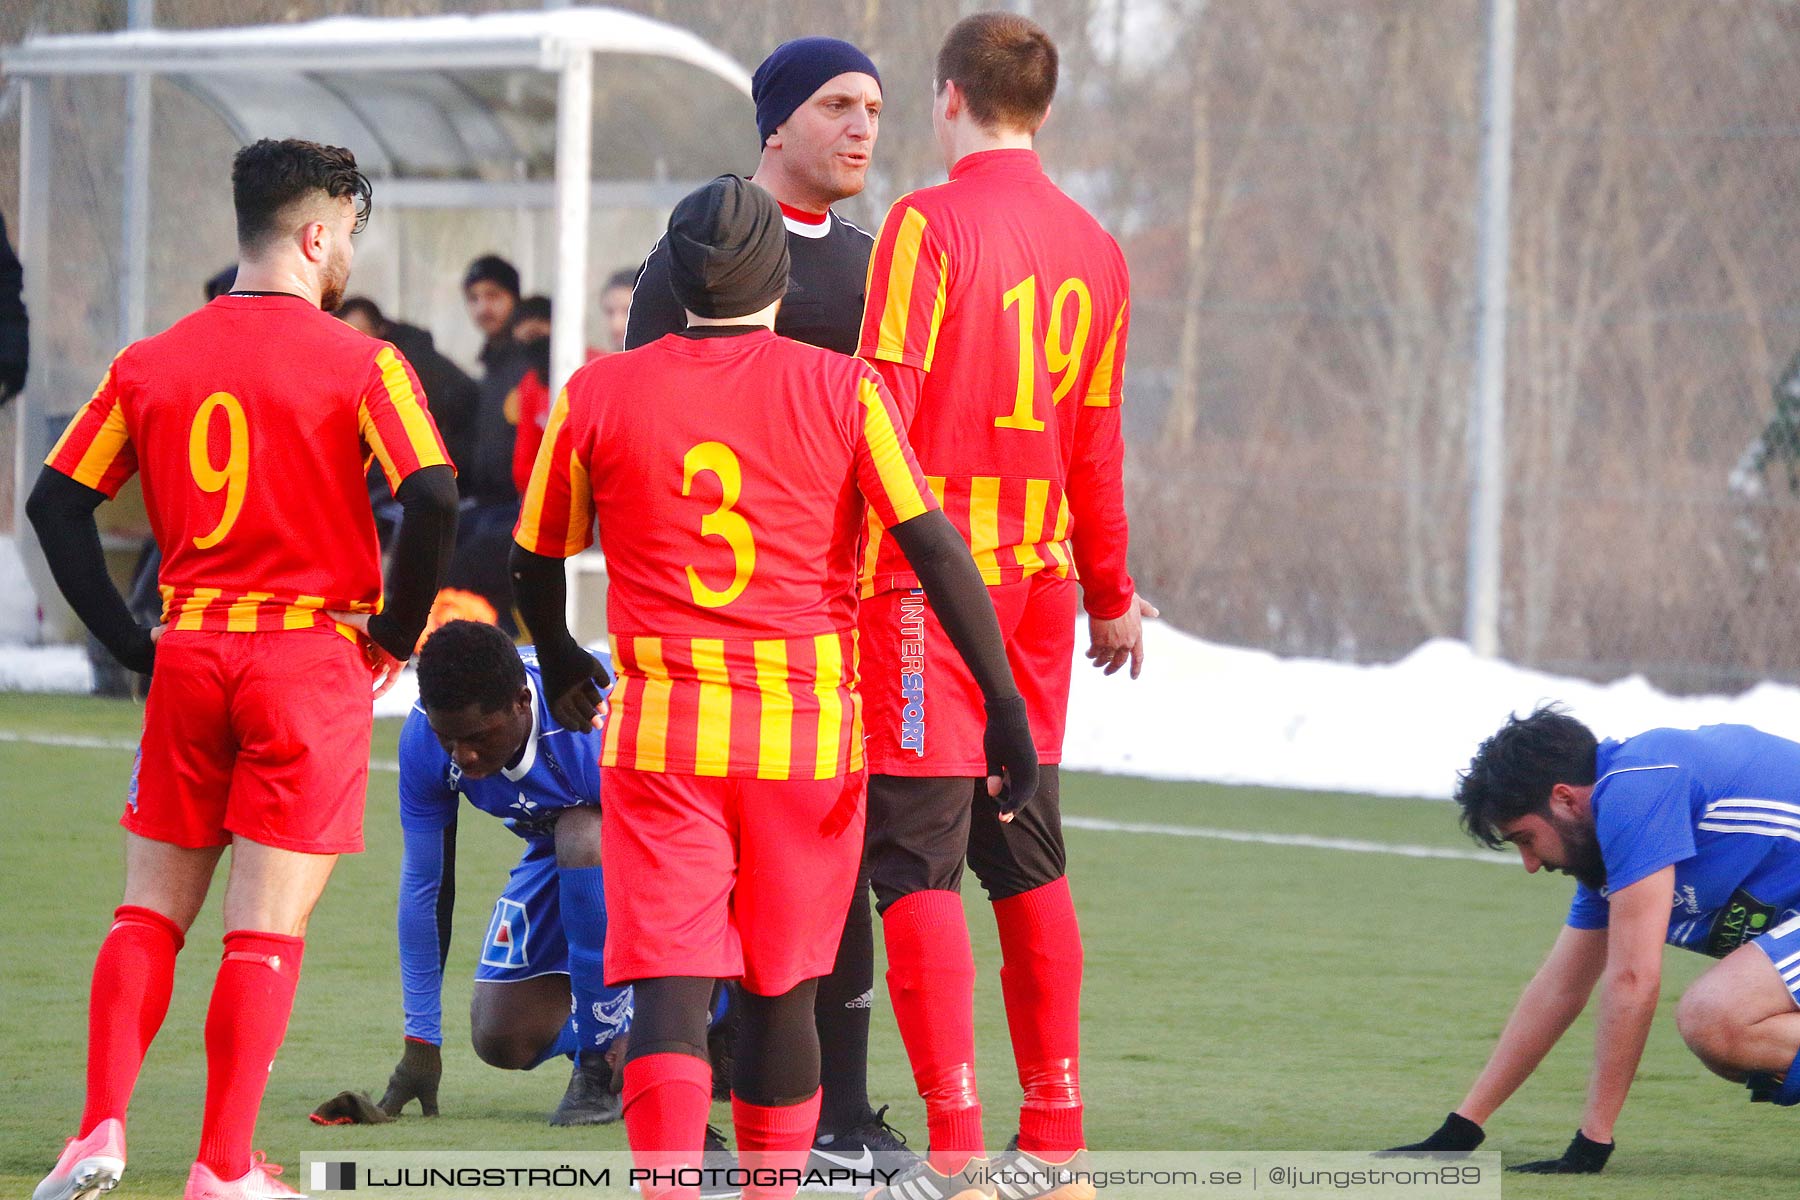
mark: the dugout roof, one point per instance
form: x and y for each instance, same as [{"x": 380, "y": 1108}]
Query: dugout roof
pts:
[{"x": 565, "y": 110}]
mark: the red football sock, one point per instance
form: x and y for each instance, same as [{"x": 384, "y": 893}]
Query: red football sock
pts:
[
  {"x": 1040, "y": 976},
  {"x": 245, "y": 1023},
  {"x": 931, "y": 981},
  {"x": 774, "y": 1139},
  {"x": 667, "y": 1100},
  {"x": 134, "y": 974}
]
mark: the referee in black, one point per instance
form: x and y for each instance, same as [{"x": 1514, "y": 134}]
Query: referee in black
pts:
[{"x": 818, "y": 109}]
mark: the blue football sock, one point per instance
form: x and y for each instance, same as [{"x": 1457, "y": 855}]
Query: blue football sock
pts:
[
  {"x": 601, "y": 1013},
  {"x": 566, "y": 1043}
]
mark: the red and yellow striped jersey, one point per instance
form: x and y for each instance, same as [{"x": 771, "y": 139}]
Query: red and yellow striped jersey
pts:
[
  {"x": 998, "y": 309},
  {"x": 252, "y": 421},
  {"x": 730, "y": 476}
]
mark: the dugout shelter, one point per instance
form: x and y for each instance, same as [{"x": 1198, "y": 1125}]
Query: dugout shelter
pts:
[{"x": 536, "y": 118}]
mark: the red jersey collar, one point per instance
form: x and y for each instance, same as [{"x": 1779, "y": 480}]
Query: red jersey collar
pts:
[
  {"x": 802, "y": 216},
  {"x": 1012, "y": 162}
]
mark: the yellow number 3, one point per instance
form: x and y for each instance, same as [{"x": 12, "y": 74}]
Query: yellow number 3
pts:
[
  {"x": 722, "y": 522},
  {"x": 232, "y": 477}
]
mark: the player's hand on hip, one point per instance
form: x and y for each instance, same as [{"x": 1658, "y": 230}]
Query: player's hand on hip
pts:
[
  {"x": 1583, "y": 1157},
  {"x": 575, "y": 681},
  {"x": 1012, "y": 761},
  {"x": 1119, "y": 640},
  {"x": 415, "y": 1077},
  {"x": 1456, "y": 1135},
  {"x": 384, "y": 668}
]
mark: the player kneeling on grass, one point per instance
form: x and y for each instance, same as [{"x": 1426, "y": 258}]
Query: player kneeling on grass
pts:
[
  {"x": 482, "y": 731},
  {"x": 732, "y": 473},
  {"x": 1675, "y": 835}
]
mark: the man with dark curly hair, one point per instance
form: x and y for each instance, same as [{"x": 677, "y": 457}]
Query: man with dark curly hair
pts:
[{"x": 1684, "y": 836}]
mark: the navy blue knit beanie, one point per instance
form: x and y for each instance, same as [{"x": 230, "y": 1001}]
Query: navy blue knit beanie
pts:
[{"x": 795, "y": 71}]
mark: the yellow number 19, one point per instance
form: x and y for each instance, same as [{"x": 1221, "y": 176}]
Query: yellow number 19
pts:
[
  {"x": 1062, "y": 350},
  {"x": 722, "y": 522},
  {"x": 230, "y": 478}
]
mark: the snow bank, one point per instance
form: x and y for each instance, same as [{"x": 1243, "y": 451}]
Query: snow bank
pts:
[{"x": 1227, "y": 715}]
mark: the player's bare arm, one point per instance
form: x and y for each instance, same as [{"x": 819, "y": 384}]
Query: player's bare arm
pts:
[
  {"x": 1556, "y": 995},
  {"x": 1629, "y": 987}
]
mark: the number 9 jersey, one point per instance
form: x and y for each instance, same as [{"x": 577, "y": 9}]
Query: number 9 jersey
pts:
[
  {"x": 253, "y": 421},
  {"x": 1006, "y": 304},
  {"x": 730, "y": 475}
]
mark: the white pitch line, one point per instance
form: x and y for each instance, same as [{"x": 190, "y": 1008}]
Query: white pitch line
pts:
[
  {"x": 82, "y": 742},
  {"x": 1351, "y": 845}
]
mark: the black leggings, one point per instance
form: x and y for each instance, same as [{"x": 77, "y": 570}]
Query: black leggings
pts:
[{"x": 776, "y": 1060}]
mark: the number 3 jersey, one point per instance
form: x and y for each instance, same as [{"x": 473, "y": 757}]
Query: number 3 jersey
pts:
[
  {"x": 1013, "y": 303},
  {"x": 252, "y": 421},
  {"x": 730, "y": 476}
]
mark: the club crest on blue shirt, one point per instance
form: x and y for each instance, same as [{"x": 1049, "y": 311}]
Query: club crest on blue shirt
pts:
[{"x": 508, "y": 936}]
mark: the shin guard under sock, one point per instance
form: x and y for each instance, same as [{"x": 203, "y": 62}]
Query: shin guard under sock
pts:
[
  {"x": 667, "y": 1099},
  {"x": 931, "y": 980},
  {"x": 134, "y": 975},
  {"x": 1040, "y": 976},
  {"x": 245, "y": 1023}
]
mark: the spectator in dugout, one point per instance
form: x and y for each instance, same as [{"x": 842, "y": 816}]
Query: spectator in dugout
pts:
[
  {"x": 485, "y": 470},
  {"x": 448, "y": 388},
  {"x": 531, "y": 399}
]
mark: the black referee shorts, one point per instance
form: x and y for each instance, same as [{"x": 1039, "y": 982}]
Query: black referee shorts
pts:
[{"x": 921, "y": 830}]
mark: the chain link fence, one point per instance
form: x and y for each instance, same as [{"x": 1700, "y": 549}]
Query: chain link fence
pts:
[{"x": 1295, "y": 185}]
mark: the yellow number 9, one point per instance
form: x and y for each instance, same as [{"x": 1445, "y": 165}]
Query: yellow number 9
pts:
[
  {"x": 1063, "y": 357},
  {"x": 234, "y": 475},
  {"x": 722, "y": 522}
]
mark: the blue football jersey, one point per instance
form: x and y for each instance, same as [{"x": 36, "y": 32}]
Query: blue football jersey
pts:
[
  {"x": 1722, "y": 805},
  {"x": 559, "y": 770}
]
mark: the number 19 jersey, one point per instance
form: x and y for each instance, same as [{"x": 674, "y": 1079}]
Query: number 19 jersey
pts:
[
  {"x": 1012, "y": 302},
  {"x": 730, "y": 476},
  {"x": 251, "y": 421}
]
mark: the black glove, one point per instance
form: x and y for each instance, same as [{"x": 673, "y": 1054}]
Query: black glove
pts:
[
  {"x": 1456, "y": 1135},
  {"x": 349, "y": 1108},
  {"x": 1011, "y": 753},
  {"x": 573, "y": 682},
  {"x": 415, "y": 1078},
  {"x": 1583, "y": 1157}
]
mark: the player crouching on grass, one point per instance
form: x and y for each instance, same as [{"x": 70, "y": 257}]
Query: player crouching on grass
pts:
[
  {"x": 482, "y": 731},
  {"x": 732, "y": 473},
  {"x": 251, "y": 421},
  {"x": 1679, "y": 836}
]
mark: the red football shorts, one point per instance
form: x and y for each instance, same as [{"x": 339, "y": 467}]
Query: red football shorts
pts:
[
  {"x": 263, "y": 735},
  {"x": 921, "y": 709},
  {"x": 727, "y": 878}
]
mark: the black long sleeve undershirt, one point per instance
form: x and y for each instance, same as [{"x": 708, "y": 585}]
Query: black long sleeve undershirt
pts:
[
  {"x": 420, "y": 559},
  {"x": 61, "y": 511},
  {"x": 959, "y": 598},
  {"x": 541, "y": 592}
]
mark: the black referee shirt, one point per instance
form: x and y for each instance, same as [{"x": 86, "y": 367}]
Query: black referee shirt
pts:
[{"x": 828, "y": 276}]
